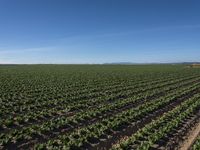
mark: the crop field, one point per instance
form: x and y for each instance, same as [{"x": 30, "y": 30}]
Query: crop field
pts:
[{"x": 99, "y": 107}]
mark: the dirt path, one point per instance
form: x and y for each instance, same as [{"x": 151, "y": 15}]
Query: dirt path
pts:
[{"x": 191, "y": 138}]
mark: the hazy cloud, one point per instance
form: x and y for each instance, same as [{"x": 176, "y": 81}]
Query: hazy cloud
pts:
[{"x": 39, "y": 49}]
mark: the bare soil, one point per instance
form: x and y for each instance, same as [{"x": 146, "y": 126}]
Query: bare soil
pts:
[{"x": 191, "y": 137}]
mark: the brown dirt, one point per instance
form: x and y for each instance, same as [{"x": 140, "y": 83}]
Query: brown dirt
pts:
[
  {"x": 191, "y": 137},
  {"x": 195, "y": 66}
]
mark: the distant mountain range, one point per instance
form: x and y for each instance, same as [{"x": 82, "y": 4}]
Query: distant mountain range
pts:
[
  {"x": 131, "y": 63},
  {"x": 190, "y": 63},
  {"x": 122, "y": 63},
  {"x": 112, "y": 63}
]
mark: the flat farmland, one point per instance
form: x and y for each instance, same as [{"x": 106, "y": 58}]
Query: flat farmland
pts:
[{"x": 99, "y": 107}]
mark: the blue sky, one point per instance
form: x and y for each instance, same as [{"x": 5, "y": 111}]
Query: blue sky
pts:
[{"x": 99, "y": 31}]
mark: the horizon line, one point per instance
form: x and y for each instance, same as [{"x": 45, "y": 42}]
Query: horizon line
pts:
[{"x": 112, "y": 63}]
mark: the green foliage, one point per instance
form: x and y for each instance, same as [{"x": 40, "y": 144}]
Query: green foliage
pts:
[{"x": 70, "y": 106}]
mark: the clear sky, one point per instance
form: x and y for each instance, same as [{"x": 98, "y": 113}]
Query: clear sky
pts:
[{"x": 99, "y": 31}]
